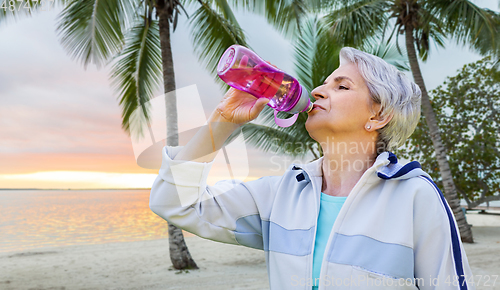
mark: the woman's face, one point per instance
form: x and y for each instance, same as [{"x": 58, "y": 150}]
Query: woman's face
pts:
[{"x": 343, "y": 107}]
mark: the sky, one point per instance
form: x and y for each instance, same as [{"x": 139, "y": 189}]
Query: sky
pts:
[{"x": 60, "y": 124}]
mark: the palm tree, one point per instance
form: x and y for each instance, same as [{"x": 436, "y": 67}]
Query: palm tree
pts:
[
  {"x": 135, "y": 35},
  {"x": 421, "y": 21}
]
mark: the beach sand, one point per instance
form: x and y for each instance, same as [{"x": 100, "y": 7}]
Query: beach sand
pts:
[
  {"x": 134, "y": 265},
  {"x": 146, "y": 265}
]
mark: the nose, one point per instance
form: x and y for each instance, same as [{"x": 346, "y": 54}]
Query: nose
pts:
[{"x": 317, "y": 93}]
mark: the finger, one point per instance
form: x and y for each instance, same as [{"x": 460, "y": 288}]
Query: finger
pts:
[
  {"x": 244, "y": 61},
  {"x": 229, "y": 93},
  {"x": 258, "y": 107},
  {"x": 271, "y": 64}
]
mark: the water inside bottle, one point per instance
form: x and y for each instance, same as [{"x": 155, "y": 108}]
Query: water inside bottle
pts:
[{"x": 279, "y": 87}]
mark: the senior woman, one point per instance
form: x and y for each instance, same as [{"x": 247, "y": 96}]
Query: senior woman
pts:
[{"x": 354, "y": 219}]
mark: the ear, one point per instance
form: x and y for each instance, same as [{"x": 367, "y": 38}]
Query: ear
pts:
[{"x": 377, "y": 121}]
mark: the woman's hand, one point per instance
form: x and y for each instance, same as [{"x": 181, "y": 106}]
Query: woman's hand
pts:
[
  {"x": 236, "y": 108},
  {"x": 240, "y": 107}
]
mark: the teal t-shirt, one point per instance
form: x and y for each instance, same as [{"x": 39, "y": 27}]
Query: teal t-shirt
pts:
[{"x": 329, "y": 209}]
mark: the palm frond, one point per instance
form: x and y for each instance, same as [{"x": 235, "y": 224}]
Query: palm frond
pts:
[
  {"x": 212, "y": 34},
  {"x": 388, "y": 52},
  {"x": 137, "y": 72},
  {"x": 484, "y": 43},
  {"x": 284, "y": 15},
  {"x": 429, "y": 27},
  {"x": 326, "y": 56},
  {"x": 226, "y": 11},
  {"x": 316, "y": 54},
  {"x": 305, "y": 50},
  {"x": 353, "y": 24},
  {"x": 472, "y": 25},
  {"x": 277, "y": 141},
  {"x": 92, "y": 30},
  {"x": 496, "y": 65},
  {"x": 297, "y": 131}
]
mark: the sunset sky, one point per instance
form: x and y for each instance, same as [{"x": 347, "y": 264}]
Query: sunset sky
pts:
[{"x": 60, "y": 125}]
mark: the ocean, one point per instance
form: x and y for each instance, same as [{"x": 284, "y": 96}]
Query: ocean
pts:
[{"x": 32, "y": 219}]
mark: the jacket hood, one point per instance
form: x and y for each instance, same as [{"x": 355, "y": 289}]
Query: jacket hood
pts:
[
  {"x": 397, "y": 170},
  {"x": 386, "y": 166}
]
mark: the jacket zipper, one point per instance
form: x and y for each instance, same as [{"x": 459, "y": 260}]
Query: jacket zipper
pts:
[{"x": 317, "y": 203}]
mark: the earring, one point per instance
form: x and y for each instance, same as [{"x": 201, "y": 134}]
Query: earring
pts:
[{"x": 368, "y": 127}]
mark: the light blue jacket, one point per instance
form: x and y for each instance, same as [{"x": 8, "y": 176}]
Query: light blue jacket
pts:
[{"x": 394, "y": 231}]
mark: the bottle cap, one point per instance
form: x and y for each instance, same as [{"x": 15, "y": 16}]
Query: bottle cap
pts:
[{"x": 303, "y": 104}]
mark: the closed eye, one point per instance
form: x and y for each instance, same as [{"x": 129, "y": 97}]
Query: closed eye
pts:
[{"x": 343, "y": 88}]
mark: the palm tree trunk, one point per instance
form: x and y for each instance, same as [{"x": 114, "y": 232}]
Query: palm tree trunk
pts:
[
  {"x": 450, "y": 191},
  {"x": 179, "y": 253}
]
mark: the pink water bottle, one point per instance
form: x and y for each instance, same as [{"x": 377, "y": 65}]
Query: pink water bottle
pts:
[{"x": 244, "y": 70}]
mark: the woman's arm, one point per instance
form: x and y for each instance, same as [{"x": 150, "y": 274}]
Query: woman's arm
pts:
[
  {"x": 440, "y": 259},
  {"x": 230, "y": 212},
  {"x": 235, "y": 109}
]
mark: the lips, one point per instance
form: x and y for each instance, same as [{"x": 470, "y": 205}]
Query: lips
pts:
[{"x": 316, "y": 106}]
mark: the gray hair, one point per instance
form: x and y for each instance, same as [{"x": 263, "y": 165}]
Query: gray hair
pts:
[{"x": 396, "y": 94}]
